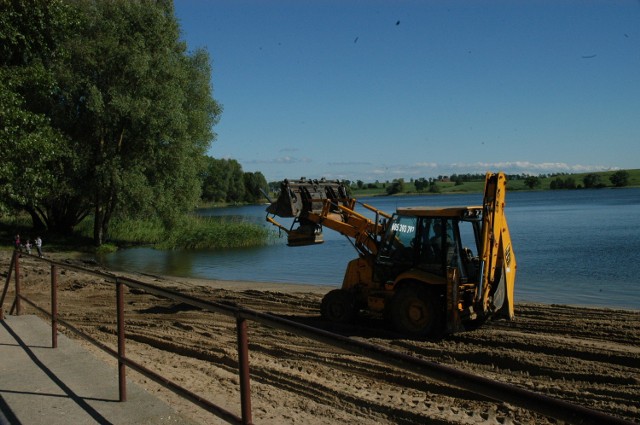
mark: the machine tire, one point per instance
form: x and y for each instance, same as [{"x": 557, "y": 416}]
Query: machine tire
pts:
[
  {"x": 415, "y": 312},
  {"x": 338, "y": 306},
  {"x": 472, "y": 325}
]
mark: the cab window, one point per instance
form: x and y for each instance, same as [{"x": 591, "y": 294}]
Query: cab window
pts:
[{"x": 399, "y": 241}]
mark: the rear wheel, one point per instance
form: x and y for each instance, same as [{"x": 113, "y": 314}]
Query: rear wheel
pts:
[
  {"x": 415, "y": 312},
  {"x": 338, "y": 306}
]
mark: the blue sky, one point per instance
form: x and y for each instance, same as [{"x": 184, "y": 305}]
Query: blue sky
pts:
[{"x": 376, "y": 90}]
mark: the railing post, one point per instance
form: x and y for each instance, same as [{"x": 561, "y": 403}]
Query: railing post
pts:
[
  {"x": 243, "y": 369},
  {"x": 17, "y": 302},
  {"x": 54, "y": 306},
  {"x": 6, "y": 284},
  {"x": 122, "y": 377}
]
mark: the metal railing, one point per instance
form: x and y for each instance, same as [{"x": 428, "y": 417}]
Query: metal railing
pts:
[{"x": 526, "y": 399}]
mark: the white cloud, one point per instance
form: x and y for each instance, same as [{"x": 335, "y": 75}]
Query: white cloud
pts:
[
  {"x": 348, "y": 163},
  {"x": 432, "y": 169},
  {"x": 526, "y": 167},
  {"x": 281, "y": 160}
]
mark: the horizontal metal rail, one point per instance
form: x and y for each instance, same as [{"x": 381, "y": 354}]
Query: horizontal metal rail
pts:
[
  {"x": 530, "y": 400},
  {"x": 170, "y": 385}
]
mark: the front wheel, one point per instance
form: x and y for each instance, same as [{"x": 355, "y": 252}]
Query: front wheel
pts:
[
  {"x": 415, "y": 312},
  {"x": 338, "y": 306}
]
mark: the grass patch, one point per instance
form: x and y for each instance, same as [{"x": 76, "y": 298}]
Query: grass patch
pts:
[
  {"x": 191, "y": 232},
  {"x": 106, "y": 248},
  {"x": 195, "y": 232}
]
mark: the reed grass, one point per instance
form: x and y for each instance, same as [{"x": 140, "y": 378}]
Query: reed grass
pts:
[
  {"x": 190, "y": 232},
  {"x": 195, "y": 232}
]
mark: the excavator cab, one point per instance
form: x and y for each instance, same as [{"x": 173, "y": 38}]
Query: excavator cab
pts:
[
  {"x": 433, "y": 240},
  {"x": 428, "y": 262}
]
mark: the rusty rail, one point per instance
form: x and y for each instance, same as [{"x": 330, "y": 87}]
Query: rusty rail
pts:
[{"x": 526, "y": 399}]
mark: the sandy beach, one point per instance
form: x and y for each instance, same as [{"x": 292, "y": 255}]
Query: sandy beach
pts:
[{"x": 586, "y": 356}]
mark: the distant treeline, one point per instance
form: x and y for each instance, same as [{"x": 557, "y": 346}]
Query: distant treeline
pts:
[
  {"x": 620, "y": 178},
  {"x": 457, "y": 183},
  {"x": 224, "y": 181}
]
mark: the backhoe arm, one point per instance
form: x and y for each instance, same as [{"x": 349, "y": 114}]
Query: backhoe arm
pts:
[
  {"x": 498, "y": 260},
  {"x": 315, "y": 204}
]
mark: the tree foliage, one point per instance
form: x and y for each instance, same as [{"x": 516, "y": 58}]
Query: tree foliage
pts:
[
  {"x": 34, "y": 154},
  {"x": 421, "y": 184},
  {"x": 532, "y": 182},
  {"x": 397, "y": 186},
  {"x": 254, "y": 184},
  {"x": 123, "y": 102},
  {"x": 560, "y": 183},
  {"x": 224, "y": 181},
  {"x": 619, "y": 178},
  {"x": 592, "y": 181}
]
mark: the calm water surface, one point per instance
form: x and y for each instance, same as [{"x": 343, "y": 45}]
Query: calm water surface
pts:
[{"x": 572, "y": 247}]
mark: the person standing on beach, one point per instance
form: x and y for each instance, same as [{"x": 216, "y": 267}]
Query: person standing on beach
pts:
[{"x": 39, "y": 246}]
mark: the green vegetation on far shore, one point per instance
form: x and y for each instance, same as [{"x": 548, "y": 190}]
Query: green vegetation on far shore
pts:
[{"x": 444, "y": 186}]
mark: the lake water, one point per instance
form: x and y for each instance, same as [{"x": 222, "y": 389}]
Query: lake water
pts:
[{"x": 577, "y": 247}]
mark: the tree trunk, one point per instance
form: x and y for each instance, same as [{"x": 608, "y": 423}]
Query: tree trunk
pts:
[
  {"x": 38, "y": 224},
  {"x": 98, "y": 231}
]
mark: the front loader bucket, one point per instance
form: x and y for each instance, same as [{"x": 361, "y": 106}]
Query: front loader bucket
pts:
[{"x": 300, "y": 197}]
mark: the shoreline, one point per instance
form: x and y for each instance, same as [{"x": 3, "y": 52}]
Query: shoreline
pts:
[
  {"x": 83, "y": 260},
  {"x": 289, "y": 287}
]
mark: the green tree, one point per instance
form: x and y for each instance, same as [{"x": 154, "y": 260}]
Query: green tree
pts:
[
  {"x": 254, "y": 184},
  {"x": 138, "y": 110},
  {"x": 35, "y": 157},
  {"x": 556, "y": 183},
  {"x": 236, "y": 188},
  {"x": 421, "y": 184},
  {"x": 33, "y": 154},
  {"x": 223, "y": 180},
  {"x": 214, "y": 182},
  {"x": 592, "y": 181},
  {"x": 619, "y": 178},
  {"x": 104, "y": 111},
  {"x": 397, "y": 186},
  {"x": 532, "y": 181},
  {"x": 570, "y": 183},
  {"x": 560, "y": 183}
]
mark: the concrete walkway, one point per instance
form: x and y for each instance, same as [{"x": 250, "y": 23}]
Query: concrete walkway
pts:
[{"x": 66, "y": 385}]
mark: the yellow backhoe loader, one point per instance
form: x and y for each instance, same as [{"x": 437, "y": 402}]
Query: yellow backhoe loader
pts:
[{"x": 429, "y": 270}]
